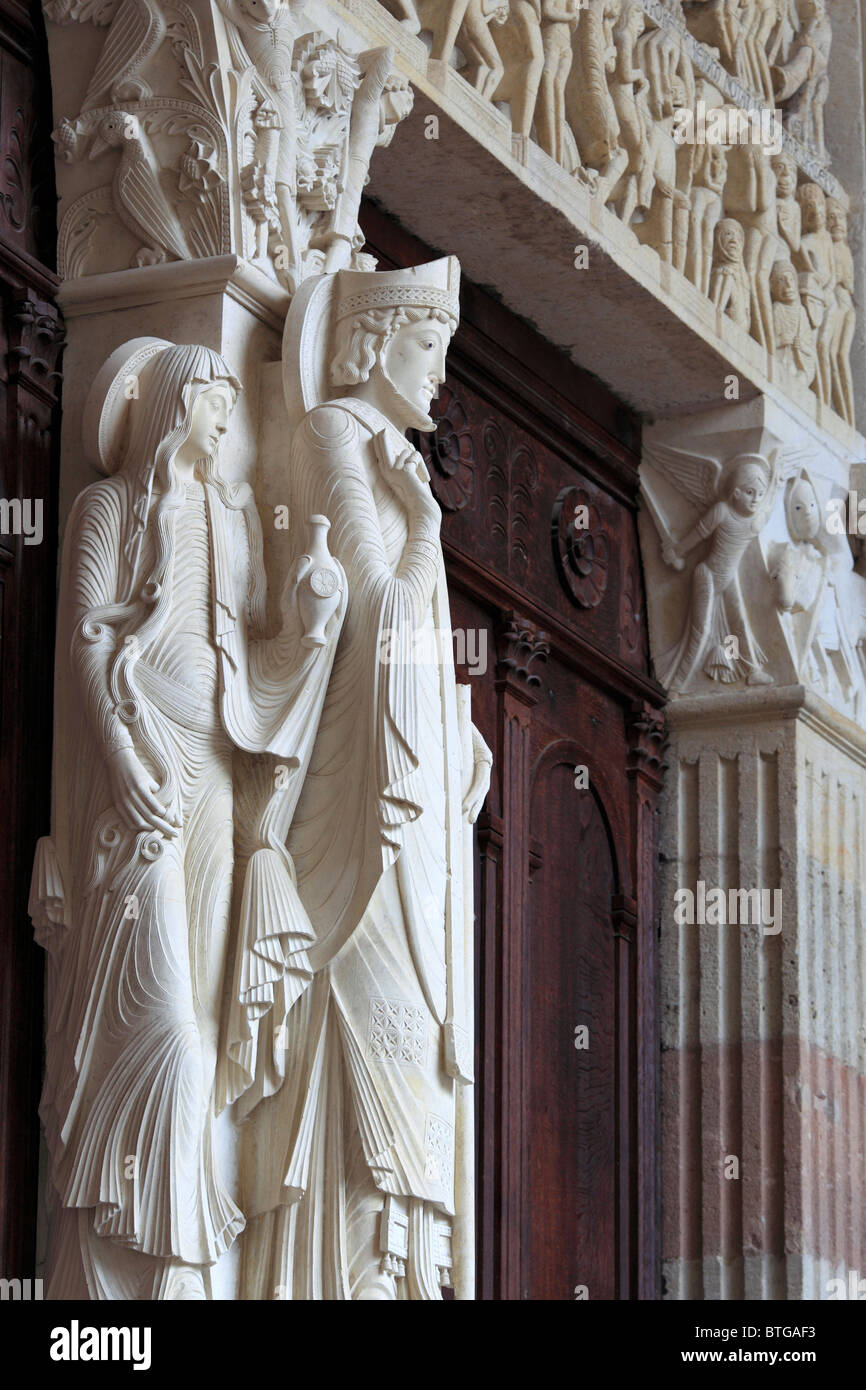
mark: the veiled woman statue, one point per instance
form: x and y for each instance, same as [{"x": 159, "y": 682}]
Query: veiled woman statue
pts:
[
  {"x": 356, "y": 1166},
  {"x": 168, "y": 691}
]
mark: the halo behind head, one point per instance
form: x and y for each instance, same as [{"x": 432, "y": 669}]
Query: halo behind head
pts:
[{"x": 104, "y": 419}]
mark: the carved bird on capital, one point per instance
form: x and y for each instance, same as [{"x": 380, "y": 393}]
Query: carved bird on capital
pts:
[
  {"x": 139, "y": 199},
  {"x": 137, "y": 28}
]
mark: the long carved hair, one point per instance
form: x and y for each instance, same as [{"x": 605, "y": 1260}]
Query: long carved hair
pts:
[{"x": 160, "y": 421}]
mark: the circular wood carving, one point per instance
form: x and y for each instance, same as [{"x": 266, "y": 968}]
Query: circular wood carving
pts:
[
  {"x": 581, "y": 549},
  {"x": 449, "y": 453}
]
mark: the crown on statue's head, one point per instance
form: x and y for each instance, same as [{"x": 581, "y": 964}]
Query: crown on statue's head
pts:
[{"x": 435, "y": 285}]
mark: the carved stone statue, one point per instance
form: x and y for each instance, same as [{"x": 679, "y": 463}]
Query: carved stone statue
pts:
[
  {"x": 521, "y": 52},
  {"x": 818, "y": 264},
  {"x": 590, "y": 108},
  {"x": 164, "y": 672},
  {"x": 558, "y": 21},
  {"x": 845, "y": 314},
  {"x": 794, "y": 335},
  {"x": 710, "y": 173},
  {"x": 789, "y": 219},
  {"x": 730, "y": 289},
  {"x": 627, "y": 86},
  {"x": 356, "y": 1164},
  {"x": 268, "y": 29},
  {"x": 750, "y": 197}
]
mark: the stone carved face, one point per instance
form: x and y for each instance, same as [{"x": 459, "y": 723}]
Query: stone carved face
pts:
[
  {"x": 814, "y": 208},
  {"x": 786, "y": 175},
  {"x": 784, "y": 284},
  {"x": 730, "y": 239},
  {"x": 413, "y": 362},
  {"x": 803, "y": 515},
  {"x": 208, "y": 422},
  {"x": 837, "y": 220},
  {"x": 748, "y": 488}
]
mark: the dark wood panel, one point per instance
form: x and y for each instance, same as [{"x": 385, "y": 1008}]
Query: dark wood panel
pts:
[
  {"x": 571, "y": 1188},
  {"x": 30, "y": 340}
]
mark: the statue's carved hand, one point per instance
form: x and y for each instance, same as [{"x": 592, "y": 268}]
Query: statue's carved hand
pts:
[
  {"x": 133, "y": 792},
  {"x": 410, "y": 480}
]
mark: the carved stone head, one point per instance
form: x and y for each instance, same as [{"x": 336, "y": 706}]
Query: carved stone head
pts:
[
  {"x": 143, "y": 408},
  {"x": 801, "y": 510},
  {"x": 837, "y": 220},
  {"x": 730, "y": 240},
  {"x": 784, "y": 285},
  {"x": 813, "y": 201},
  {"x": 747, "y": 484},
  {"x": 786, "y": 175},
  {"x": 392, "y": 331}
]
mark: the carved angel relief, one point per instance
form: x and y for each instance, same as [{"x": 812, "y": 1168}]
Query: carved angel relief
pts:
[
  {"x": 731, "y": 503},
  {"x": 264, "y": 156},
  {"x": 769, "y": 591}
]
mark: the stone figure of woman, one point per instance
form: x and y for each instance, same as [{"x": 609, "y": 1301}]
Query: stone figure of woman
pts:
[
  {"x": 164, "y": 672},
  {"x": 359, "y": 1166}
]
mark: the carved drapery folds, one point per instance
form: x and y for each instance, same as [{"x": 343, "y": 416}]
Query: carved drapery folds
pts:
[
  {"x": 209, "y": 129},
  {"x": 701, "y": 127}
]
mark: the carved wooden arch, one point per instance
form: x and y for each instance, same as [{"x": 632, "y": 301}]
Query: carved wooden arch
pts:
[{"x": 569, "y": 751}]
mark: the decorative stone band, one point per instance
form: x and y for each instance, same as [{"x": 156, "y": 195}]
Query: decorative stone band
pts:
[{"x": 398, "y": 296}]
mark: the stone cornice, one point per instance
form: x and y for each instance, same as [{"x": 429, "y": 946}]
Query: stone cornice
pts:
[
  {"x": 738, "y": 708},
  {"x": 128, "y": 289}
]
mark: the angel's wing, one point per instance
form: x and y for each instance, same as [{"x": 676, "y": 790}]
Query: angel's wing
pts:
[
  {"x": 694, "y": 474},
  {"x": 100, "y": 12}
]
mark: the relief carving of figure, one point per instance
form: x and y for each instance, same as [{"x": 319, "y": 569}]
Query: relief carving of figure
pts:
[
  {"x": 710, "y": 173},
  {"x": 794, "y": 335},
  {"x": 790, "y": 222},
  {"x": 521, "y": 52},
  {"x": 817, "y": 262},
  {"x": 750, "y": 197},
  {"x": 558, "y": 21},
  {"x": 628, "y": 84},
  {"x": 844, "y": 314},
  {"x": 590, "y": 108},
  {"x": 802, "y": 83},
  {"x": 730, "y": 289},
  {"x": 735, "y": 501}
]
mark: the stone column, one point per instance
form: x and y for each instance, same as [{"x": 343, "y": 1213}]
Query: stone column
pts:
[{"x": 763, "y": 977}]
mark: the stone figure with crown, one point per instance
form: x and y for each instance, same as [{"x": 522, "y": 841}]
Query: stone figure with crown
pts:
[{"x": 358, "y": 1165}]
